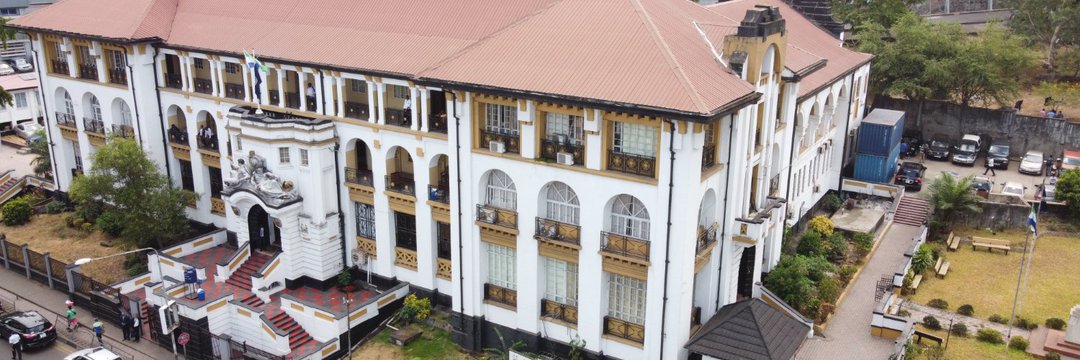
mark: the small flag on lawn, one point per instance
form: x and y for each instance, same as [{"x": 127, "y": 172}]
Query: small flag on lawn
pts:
[{"x": 1032, "y": 220}]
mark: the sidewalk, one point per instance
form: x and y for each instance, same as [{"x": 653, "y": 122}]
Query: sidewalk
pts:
[
  {"x": 919, "y": 311},
  {"x": 29, "y": 295}
]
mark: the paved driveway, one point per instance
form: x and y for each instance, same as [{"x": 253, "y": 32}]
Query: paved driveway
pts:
[{"x": 934, "y": 168}]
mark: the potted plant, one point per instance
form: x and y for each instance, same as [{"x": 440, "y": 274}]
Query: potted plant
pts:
[{"x": 344, "y": 280}]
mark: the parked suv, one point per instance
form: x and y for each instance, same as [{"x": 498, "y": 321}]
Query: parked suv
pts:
[
  {"x": 938, "y": 147},
  {"x": 910, "y": 175},
  {"x": 36, "y": 332},
  {"x": 968, "y": 150},
  {"x": 997, "y": 156}
]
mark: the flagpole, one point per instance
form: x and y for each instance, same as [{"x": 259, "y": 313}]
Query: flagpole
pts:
[{"x": 1025, "y": 268}]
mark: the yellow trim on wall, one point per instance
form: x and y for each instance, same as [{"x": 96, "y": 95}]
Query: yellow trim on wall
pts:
[
  {"x": 216, "y": 305},
  {"x": 387, "y": 300},
  {"x": 243, "y": 312}
]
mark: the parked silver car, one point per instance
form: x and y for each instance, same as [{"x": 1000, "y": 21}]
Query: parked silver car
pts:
[
  {"x": 27, "y": 129},
  {"x": 1032, "y": 163}
]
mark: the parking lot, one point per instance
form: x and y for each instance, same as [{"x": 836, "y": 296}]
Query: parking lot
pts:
[{"x": 934, "y": 168}]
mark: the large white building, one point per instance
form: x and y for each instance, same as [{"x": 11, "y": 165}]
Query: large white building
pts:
[{"x": 615, "y": 172}]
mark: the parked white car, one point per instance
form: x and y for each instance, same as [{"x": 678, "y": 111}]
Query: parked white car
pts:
[
  {"x": 1032, "y": 163},
  {"x": 6, "y": 69},
  {"x": 27, "y": 129},
  {"x": 23, "y": 65},
  {"x": 1013, "y": 188},
  {"x": 93, "y": 354}
]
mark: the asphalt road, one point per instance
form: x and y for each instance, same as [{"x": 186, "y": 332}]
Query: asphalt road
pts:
[{"x": 58, "y": 350}]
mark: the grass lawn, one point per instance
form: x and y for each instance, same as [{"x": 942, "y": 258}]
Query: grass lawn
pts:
[
  {"x": 433, "y": 344},
  {"x": 48, "y": 233},
  {"x": 964, "y": 348},
  {"x": 988, "y": 281}
]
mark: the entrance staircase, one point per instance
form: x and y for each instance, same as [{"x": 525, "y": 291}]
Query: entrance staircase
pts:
[
  {"x": 298, "y": 337},
  {"x": 9, "y": 187},
  {"x": 241, "y": 278},
  {"x": 912, "y": 211}
]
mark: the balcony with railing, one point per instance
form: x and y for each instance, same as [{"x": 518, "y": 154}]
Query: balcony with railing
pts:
[
  {"x": 118, "y": 76},
  {"x": 551, "y": 230},
  {"x": 558, "y": 311},
  {"x": 631, "y": 163},
  {"x": 88, "y": 71},
  {"x": 60, "y": 67},
  {"x": 173, "y": 81},
  {"x": 624, "y": 329},
  {"x": 510, "y": 142},
  {"x": 356, "y": 110},
  {"x": 706, "y": 237},
  {"x": 124, "y": 131},
  {"x": 625, "y": 247},
  {"x": 234, "y": 91},
  {"x": 708, "y": 156},
  {"x": 445, "y": 269},
  {"x": 92, "y": 125},
  {"x": 203, "y": 86},
  {"x": 437, "y": 122},
  {"x": 552, "y": 149},
  {"x": 438, "y": 193},
  {"x": 401, "y": 183},
  {"x": 496, "y": 216},
  {"x": 405, "y": 258},
  {"x": 500, "y": 295},
  {"x": 66, "y": 120},
  {"x": 359, "y": 177},
  {"x": 774, "y": 185},
  {"x": 292, "y": 100}
]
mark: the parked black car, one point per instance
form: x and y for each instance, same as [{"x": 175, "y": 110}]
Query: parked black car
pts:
[
  {"x": 36, "y": 332},
  {"x": 938, "y": 148},
  {"x": 910, "y": 175},
  {"x": 997, "y": 156}
]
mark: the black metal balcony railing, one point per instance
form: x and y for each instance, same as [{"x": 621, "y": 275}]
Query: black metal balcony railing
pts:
[
  {"x": 60, "y": 66},
  {"x": 401, "y": 182},
  {"x": 125, "y": 131},
  {"x": 275, "y": 98},
  {"x": 558, "y": 311},
  {"x": 510, "y": 141},
  {"x": 774, "y": 185},
  {"x": 118, "y": 76},
  {"x": 88, "y": 71},
  {"x": 631, "y": 164},
  {"x": 356, "y": 110},
  {"x": 500, "y": 295},
  {"x": 173, "y": 81},
  {"x": 292, "y": 100},
  {"x": 178, "y": 136},
  {"x": 203, "y": 86},
  {"x": 496, "y": 216},
  {"x": 625, "y": 246},
  {"x": 65, "y": 119},
  {"x": 208, "y": 143},
  {"x": 398, "y": 117},
  {"x": 94, "y": 125},
  {"x": 708, "y": 156},
  {"x": 548, "y": 229},
  {"x": 437, "y": 122},
  {"x": 359, "y": 177},
  {"x": 706, "y": 237},
  {"x": 550, "y": 149},
  {"x": 624, "y": 329},
  {"x": 234, "y": 91},
  {"x": 438, "y": 194}
]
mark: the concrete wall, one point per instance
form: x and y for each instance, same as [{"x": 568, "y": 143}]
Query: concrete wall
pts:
[
  {"x": 1051, "y": 136},
  {"x": 1000, "y": 212}
]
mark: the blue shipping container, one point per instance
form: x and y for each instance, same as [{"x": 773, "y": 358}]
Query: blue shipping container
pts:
[
  {"x": 880, "y": 132},
  {"x": 874, "y": 168}
]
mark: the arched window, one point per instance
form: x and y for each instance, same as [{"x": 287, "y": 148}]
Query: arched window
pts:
[
  {"x": 501, "y": 192},
  {"x": 629, "y": 217},
  {"x": 125, "y": 114},
  {"x": 69, "y": 107},
  {"x": 95, "y": 108},
  {"x": 561, "y": 203}
]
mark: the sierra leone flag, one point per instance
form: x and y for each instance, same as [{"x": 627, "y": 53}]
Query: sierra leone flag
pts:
[
  {"x": 257, "y": 68},
  {"x": 1032, "y": 221}
]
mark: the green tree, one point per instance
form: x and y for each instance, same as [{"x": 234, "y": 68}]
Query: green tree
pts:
[
  {"x": 1068, "y": 190},
  {"x": 1053, "y": 24},
  {"x": 6, "y": 34},
  {"x": 42, "y": 161},
  {"x": 987, "y": 68},
  {"x": 123, "y": 180},
  {"x": 922, "y": 260},
  {"x": 862, "y": 12},
  {"x": 795, "y": 280},
  {"x": 951, "y": 198},
  {"x": 909, "y": 57}
]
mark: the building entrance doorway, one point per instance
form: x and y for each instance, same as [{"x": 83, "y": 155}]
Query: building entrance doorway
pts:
[
  {"x": 261, "y": 231},
  {"x": 745, "y": 288}
]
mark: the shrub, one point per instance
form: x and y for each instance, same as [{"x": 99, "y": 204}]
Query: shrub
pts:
[
  {"x": 989, "y": 335},
  {"x": 828, "y": 290},
  {"x": 903, "y": 313},
  {"x": 923, "y": 260},
  {"x": 822, "y": 225},
  {"x": 111, "y": 223},
  {"x": 847, "y": 272},
  {"x": 1055, "y": 323},
  {"x": 344, "y": 278},
  {"x": 810, "y": 244},
  {"x": 69, "y": 219},
  {"x": 998, "y": 319},
  {"x": 966, "y": 310},
  {"x": 1052, "y": 356},
  {"x": 1018, "y": 343},
  {"x": 77, "y": 222},
  {"x": 1025, "y": 324},
  {"x": 824, "y": 311},
  {"x": 17, "y": 212},
  {"x": 830, "y": 202},
  {"x": 931, "y": 322},
  {"x": 837, "y": 246},
  {"x": 55, "y": 207},
  {"x": 959, "y": 329},
  {"x": 87, "y": 228},
  {"x": 938, "y": 304},
  {"x": 415, "y": 308},
  {"x": 863, "y": 241}
]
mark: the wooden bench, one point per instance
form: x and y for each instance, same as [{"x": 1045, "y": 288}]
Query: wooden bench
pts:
[
  {"x": 942, "y": 268},
  {"x": 953, "y": 242},
  {"x": 915, "y": 283},
  {"x": 989, "y": 244}
]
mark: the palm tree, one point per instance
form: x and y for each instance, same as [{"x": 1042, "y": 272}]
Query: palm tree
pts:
[
  {"x": 6, "y": 34},
  {"x": 951, "y": 198},
  {"x": 42, "y": 162}
]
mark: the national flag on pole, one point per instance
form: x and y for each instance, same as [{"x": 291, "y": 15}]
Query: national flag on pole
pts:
[
  {"x": 257, "y": 68},
  {"x": 1032, "y": 220}
]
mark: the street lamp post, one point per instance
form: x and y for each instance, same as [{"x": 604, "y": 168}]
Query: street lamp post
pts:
[
  {"x": 161, "y": 274},
  {"x": 348, "y": 325}
]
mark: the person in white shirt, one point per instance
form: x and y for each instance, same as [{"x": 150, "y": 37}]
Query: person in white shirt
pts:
[
  {"x": 407, "y": 111},
  {"x": 311, "y": 96},
  {"x": 16, "y": 349}
]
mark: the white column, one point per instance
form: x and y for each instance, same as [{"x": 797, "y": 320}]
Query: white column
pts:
[
  {"x": 99, "y": 61},
  {"x": 215, "y": 77},
  {"x": 301, "y": 91},
  {"x": 371, "y": 100},
  {"x": 72, "y": 66},
  {"x": 160, "y": 64},
  {"x": 382, "y": 103},
  {"x": 184, "y": 70},
  {"x": 414, "y": 121},
  {"x": 281, "y": 87},
  {"x": 424, "y": 105},
  {"x": 245, "y": 72},
  {"x": 264, "y": 88},
  {"x": 319, "y": 94},
  {"x": 340, "y": 81}
]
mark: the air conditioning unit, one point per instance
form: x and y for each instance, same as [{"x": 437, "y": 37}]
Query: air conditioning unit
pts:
[
  {"x": 497, "y": 146},
  {"x": 565, "y": 158}
]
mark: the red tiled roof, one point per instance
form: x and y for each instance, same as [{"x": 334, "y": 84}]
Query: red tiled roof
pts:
[
  {"x": 113, "y": 19},
  {"x": 18, "y": 81}
]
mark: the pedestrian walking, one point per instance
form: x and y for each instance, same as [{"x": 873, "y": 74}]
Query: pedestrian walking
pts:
[
  {"x": 990, "y": 167},
  {"x": 99, "y": 330},
  {"x": 72, "y": 322},
  {"x": 125, "y": 326},
  {"x": 136, "y": 329},
  {"x": 16, "y": 347}
]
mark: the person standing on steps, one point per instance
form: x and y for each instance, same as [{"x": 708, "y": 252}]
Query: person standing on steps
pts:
[{"x": 99, "y": 330}]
